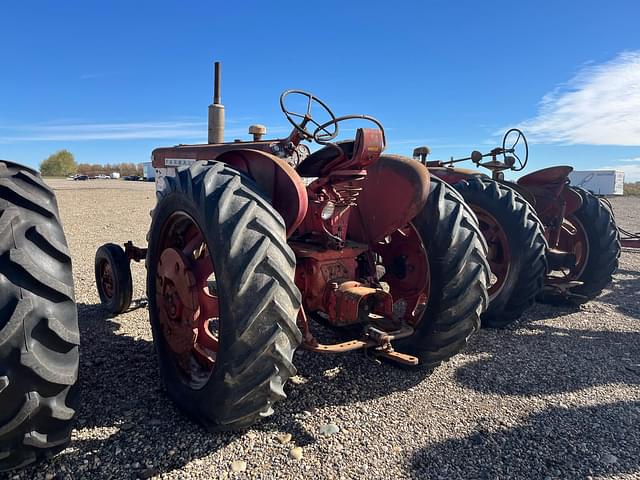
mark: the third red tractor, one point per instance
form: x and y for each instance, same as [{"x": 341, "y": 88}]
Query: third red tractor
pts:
[{"x": 547, "y": 239}]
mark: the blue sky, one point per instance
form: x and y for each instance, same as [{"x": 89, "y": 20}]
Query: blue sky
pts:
[{"x": 112, "y": 80}]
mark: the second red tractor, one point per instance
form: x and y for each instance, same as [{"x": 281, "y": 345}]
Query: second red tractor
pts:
[{"x": 252, "y": 242}]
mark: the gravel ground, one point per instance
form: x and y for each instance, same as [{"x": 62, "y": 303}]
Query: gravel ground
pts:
[{"x": 555, "y": 396}]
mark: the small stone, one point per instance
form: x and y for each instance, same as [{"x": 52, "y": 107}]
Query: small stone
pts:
[
  {"x": 126, "y": 426},
  {"x": 135, "y": 465},
  {"x": 331, "y": 372},
  {"x": 49, "y": 476},
  {"x": 298, "y": 380},
  {"x": 396, "y": 449},
  {"x": 284, "y": 438},
  {"x": 238, "y": 466},
  {"x": 296, "y": 453},
  {"x": 609, "y": 459},
  {"x": 251, "y": 435},
  {"x": 329, "y": 429}
]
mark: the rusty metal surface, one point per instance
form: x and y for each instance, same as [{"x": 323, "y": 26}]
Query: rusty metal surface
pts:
[
  {"x": 277, "y": 179},
  {"x": 367, "y": 149},
  {"x": 630, "y": 242},
  {"x": 353, "y": 302},
  {"x": 319, "y": 267},
  {"x": 547, "y": 176},
  {"x": 499, "y": 254},
  {"x": 177, "y": 299},
  {"x": 454, "y": 175},
  {"x": 134, "y": 253},
  {"x": 407, "y": 272},
  {"x": 107, "y": 282},
  {"x": 395, "y": 190}
]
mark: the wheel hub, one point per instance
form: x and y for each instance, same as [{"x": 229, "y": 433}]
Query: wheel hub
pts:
[
  {"x": 499, "y": 256},
  {"x": 177, "y": 300},
  {"x": 107, "y": 281}
]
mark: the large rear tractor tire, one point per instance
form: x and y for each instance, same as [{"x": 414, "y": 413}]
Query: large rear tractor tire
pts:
[
  {"x": 597, "y": 239},
  {"x": 222, "y": 298},
  {"x": 459, "y": 276},
  {"x": 517, "y": 248},
  {"x": 39, "y": 335}
]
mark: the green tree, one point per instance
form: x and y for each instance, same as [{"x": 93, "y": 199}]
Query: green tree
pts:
[{"x": 59, "y": 164}]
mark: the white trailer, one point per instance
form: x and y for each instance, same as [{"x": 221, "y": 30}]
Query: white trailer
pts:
[
  {"x": 148, "y": 172},
  {"x": 115, "y": 175},
  {"x": 599, "y": 182}
]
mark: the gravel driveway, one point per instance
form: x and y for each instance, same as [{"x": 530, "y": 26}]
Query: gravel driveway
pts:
[{"x": 555, "y": 396}]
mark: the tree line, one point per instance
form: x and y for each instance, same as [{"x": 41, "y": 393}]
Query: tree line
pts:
[{"x": 63, "y": 163}]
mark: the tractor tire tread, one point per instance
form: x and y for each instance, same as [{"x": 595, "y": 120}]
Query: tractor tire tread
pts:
[
  {"x": 525, "y": 233},
  {"x": 39, "y": 335},
  {"x": 458, "y": 264},
  {"x": 255, "y": 357}
]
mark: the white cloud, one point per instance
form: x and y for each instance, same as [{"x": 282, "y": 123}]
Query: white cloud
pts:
[
  {"x": 631, "y": 170},
  {"x": 599, "y": 106},
  {"x": 90, "y": 76},
  {"x": 182, "y": 130}
]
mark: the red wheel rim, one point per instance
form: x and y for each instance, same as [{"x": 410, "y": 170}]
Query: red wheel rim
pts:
[
  {"x": 106, "y": 279},
  {"x": 186, "y": 301},
  {"x": 573, "y": 239},
  {"x": 498, "y": 255},
  {"x": 407, "y": 273}
]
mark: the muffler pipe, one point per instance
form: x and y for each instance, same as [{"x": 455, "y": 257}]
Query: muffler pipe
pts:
[{"x": 216, "y": 110}]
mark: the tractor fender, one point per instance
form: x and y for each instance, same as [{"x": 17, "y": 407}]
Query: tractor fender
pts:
[
  {"x": 394, "y": 192},
  {"x": 280, "y": 183},
  {"x": 454, "y": 175}
]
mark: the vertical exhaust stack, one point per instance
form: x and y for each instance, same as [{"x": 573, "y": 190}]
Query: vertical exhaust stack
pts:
[{"x": 216, "y": 110}]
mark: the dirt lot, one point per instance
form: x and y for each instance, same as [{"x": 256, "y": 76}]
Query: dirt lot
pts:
[{"x": 555, "y": 396}]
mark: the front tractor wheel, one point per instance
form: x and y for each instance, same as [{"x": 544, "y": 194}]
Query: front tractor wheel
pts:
[
  {"x": 451, "y": 294},
  {"x": 517, "y": 248},
  {"x": 113, "y": 278},
  {"x": 222, "y": 299}
]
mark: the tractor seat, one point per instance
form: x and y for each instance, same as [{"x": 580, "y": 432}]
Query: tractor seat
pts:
[
  {"x": 313, "y": 165},
  {"x": 558, "y": 174}
]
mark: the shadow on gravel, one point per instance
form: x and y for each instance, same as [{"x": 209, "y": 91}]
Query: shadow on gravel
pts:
[
  {"x": 133, "y": 429},
  {"x": 554, "y": 443},
  {"x": 623, "y": 296},
  {"x": 541, "y": 359}
]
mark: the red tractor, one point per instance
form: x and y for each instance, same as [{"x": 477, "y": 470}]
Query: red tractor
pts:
[
  {"x": 251, "y": 242},
  {"x": 547, "y": 239}
]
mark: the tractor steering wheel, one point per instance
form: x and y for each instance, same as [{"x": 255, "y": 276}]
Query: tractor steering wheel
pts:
[
  {"x": 513, "y": 137},
  {"x": 326, "y": 137},
  {"x": 307, "y": 117}
]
